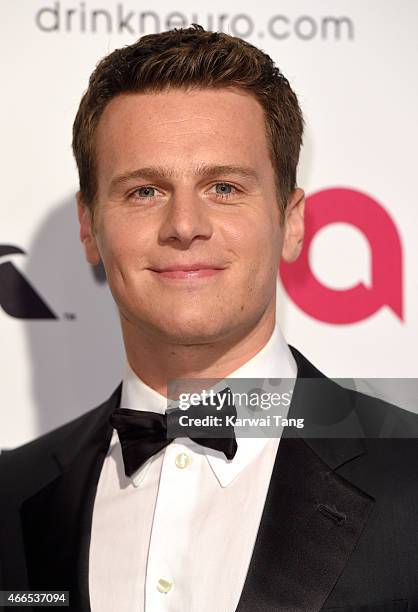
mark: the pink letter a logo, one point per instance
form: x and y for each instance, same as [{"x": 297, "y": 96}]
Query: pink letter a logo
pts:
[{"x": 359, "y": 302}]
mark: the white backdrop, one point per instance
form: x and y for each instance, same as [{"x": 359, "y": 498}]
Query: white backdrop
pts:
[{"x": 352, "y": 64}]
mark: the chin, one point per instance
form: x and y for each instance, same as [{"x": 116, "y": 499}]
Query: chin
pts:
[
  {"x": 198, "y": 333},
  {"x": 187, "y": 336}
]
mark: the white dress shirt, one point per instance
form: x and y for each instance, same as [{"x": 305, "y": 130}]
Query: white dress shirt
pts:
[{"x": 178, "y": 535}]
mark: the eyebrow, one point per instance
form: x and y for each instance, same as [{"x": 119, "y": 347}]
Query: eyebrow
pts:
[{"x": 159, "y": 172}]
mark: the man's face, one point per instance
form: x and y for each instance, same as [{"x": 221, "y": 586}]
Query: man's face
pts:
[{"x": 186, "y": 178}]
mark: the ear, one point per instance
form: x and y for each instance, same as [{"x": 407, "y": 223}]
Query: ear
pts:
[
  {"x": 294, "y": 226},
  {"x": 87, "y": 236}
]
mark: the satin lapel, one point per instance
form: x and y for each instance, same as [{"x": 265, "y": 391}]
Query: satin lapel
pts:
[
  {"x": 312, "y": 517},
  {"x": 310, "y": 523},
  {"x": 56, "y": 519}
]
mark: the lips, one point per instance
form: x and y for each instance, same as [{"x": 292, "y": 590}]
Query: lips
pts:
[
  {"x": 188, "y": 272},
  {"x": 189, "y": 267},
  {"x": 191, "y": 274}
]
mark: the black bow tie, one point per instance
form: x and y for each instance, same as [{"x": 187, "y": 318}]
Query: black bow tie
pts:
[{"x": 142, "y": 434}]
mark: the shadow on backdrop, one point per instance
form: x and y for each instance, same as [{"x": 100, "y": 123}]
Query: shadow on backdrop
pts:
[{"x": 76, "y": 358}]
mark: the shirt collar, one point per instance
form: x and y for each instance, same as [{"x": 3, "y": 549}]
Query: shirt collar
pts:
[{"x": 274, "y": 360}]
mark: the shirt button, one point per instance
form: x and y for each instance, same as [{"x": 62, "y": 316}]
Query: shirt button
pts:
[
  {"x": 183, "y": 460},
  {"x": 163, "y": 585}
]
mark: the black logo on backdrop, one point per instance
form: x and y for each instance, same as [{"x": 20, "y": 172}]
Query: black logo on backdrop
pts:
[{"x": 18, "y": 298}]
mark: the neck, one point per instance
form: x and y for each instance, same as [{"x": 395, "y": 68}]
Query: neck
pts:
[{"x": 156, "y": 361}]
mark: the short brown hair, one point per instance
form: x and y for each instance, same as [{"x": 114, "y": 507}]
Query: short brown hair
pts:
[{"x": 192, "y": 58}]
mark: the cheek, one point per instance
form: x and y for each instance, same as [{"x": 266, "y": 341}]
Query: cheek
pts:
[
  {"x": 258, "y": 243},
  {"x": 257, "y": 268},
  {"x": 121, "y": 245},
  {"x": 112, "y": 249}
]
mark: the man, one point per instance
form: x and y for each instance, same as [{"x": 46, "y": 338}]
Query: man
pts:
[{"x": 187, "y": 144}]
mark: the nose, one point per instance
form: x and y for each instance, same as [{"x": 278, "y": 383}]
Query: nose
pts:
[{"x": 186, "y": 218}]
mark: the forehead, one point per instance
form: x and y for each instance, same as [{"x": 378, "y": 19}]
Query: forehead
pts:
[{"x": 179, "y": 127}]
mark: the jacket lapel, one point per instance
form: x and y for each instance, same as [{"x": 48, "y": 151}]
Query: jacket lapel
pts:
[
  {"x": 312, "y": 517},
  {"x": 56, "y": 518}
]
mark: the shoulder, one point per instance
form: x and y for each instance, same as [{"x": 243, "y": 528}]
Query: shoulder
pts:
[
  {"x": 29, "y": 453},
  {"x": 46, "y": 442},
  {"x": 328, "y": 403},
  {"x": 381, "y": 419}
]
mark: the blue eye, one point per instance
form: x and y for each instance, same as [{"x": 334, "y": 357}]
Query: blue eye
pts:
[
  {"x": 224, "y": 190},
  {"x": 145, "y": 189}
]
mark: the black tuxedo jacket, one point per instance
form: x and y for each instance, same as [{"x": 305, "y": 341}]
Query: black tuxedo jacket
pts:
[{"x": 339, "y": 530}]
